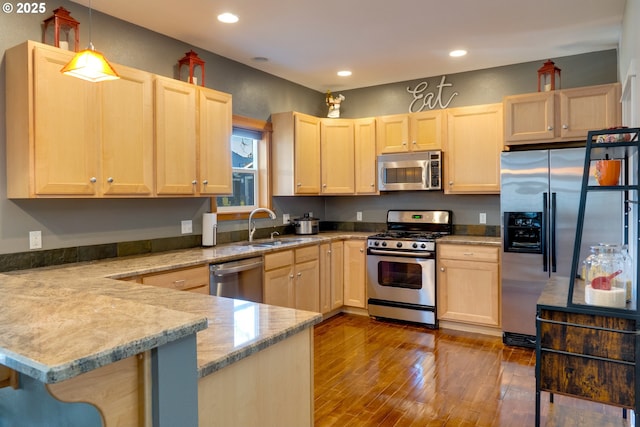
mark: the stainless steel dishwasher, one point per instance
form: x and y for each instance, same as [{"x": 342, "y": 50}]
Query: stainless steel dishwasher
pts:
[{"x": 241, "y": 279}]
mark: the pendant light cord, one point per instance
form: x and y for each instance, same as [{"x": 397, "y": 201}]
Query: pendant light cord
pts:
[{"x": 90, "y": 28}]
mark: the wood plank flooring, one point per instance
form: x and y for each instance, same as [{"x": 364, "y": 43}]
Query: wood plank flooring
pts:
[{"x": 375, "y": 373}]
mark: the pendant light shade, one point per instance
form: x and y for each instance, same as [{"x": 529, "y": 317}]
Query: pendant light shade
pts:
[{"x": 90, "y": 65}]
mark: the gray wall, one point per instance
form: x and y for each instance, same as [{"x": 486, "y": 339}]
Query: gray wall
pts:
[{"x": 68, "y": 223}]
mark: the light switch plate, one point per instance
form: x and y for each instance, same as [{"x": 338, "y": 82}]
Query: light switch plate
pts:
[
  {"x": 358, "y": 216},
  {"x": 285, "y": 219},
  {"x": 187, "y": 226},
  {"x": 483, "y": 218},
  {"x": 35, "y": 239}
]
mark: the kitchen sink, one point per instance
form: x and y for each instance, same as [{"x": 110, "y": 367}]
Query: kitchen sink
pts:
[{"x": 273, "y": 243}]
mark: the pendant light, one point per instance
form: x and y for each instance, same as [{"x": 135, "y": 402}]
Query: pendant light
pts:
[{"x": 89, "y": 64}]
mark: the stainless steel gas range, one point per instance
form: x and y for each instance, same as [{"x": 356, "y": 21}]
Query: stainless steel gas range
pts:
[{"x": 401, "y": 266}]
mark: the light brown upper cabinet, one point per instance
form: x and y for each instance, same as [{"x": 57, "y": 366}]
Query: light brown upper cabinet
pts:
[
  {"x": 472, "y": 150},
  {"x": 295, "y": 154},
  {"x": 337, "y": 152},
  {"x": 70, "y": 138},
  {"x": 563, "y": 115},
  {"x": 365, "y": 150},
  {"x": 400, "y": 133},
  {"x": 214, "y": 142}
]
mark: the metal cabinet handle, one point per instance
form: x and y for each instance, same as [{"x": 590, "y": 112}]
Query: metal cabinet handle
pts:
[
  {"x": 110, "y": 180},
  {"x": 324, "y": 185},
  {"x": 205, "y": 182},
  {"x": 361, "y": 250},
  {"x": 565, "y": 127},
  {"x": 299, "y": 274},
  {"x": 442, "y": 269},
  {"x": 468, "y": 254},
  {"x": 194, "y": 182},
  {"x": 179, "y": 284},
  {"x": 291, "y": 276},
  {"x": 414, "y": 142},
  {"x": 450, "y": 182},
  {"x": 299, "y": 184},
  {"x": 93, "y": 179},
  {"x": 404, "y": 142},
  {"x": 549, "y": 127}
]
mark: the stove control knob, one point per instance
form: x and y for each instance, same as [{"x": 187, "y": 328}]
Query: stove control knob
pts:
[
  {"x": 384, "y": 243},
  {"x": 376, "y": 243},
  {"x": 424, "y": 245},
  {"x": 399, "y": 244},
  {"x": 415, "y": 245}
]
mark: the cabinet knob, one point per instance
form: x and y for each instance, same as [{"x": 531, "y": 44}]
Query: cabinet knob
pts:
[
  {"x": 404, "y": 143},
  {"x": 361, "y": 250},
  {"x": 110, "y": 180},
  {"x": 450, "y": 182},
  {"x": 372, "y": 185},
  {"x": 565, "y": 127},
  {"x": 93, "y": 179},
  {"x": 299, "y": 184},
  {"x": 549, "y": 127},
  {"x": 291, "y": 276},
  {"x": 442, "y": 269},
  {"x": 194, "y": 182},
  {"x": 414, "y": 142},
  {"x": 205, "y": 182},
  {"x": 329, "y": 252},
  {"x": 324, "y": 185},
  {"x": 299, "y": 274}
]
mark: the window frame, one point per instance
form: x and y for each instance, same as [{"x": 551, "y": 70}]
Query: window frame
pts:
[{"x": 264, "y": 165}]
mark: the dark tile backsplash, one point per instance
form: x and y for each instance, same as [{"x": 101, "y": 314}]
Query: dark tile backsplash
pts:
[{"x": 34, "y": 259}]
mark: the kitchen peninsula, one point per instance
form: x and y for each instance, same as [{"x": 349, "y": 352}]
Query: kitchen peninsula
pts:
[{"x": 64, "y": 326}]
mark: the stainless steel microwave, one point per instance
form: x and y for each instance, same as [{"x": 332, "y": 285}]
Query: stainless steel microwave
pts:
[{"x": 410, "y": 171}]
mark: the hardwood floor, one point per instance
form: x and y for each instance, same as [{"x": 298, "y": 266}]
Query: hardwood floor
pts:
[{"x": 374, "y": 373}]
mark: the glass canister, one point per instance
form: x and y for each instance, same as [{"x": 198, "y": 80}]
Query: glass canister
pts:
[
  {"x": 607, "y": 278},
  {"x": 586, "y": 263}
]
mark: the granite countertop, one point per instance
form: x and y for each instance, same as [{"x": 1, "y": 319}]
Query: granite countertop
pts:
[
  {"x": 460, "y": 239},
  {"x": 61, "y": 321}
]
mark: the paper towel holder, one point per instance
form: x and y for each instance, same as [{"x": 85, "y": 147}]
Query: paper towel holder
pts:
[{"x": 209, "y": 229}]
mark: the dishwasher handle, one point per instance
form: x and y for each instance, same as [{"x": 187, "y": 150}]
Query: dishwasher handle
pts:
[{"x": 235, "y": 266}]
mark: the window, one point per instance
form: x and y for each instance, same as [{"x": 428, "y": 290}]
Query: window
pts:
[{"x": 249, "y": 161}]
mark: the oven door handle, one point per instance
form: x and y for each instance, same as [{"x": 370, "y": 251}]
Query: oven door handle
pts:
[{"x": 401, "y": 253}]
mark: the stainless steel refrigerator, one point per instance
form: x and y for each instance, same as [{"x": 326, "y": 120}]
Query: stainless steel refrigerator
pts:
[{"x": 540, "y": 193}]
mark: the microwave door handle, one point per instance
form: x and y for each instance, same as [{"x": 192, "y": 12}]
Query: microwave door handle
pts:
[
  {"x": 545, "y": 221},
  {"x": 553, "y": 232}
]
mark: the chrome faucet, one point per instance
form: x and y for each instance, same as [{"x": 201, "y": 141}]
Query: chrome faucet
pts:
[{"x": 252, "y": 225}]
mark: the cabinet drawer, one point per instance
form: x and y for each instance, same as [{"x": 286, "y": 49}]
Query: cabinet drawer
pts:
[
  {"x": 469, "y": 252},
  {"x": 277, "y": 260},
  {"x": 600, "y": 336},
  {"x": 183, "y": 280},
  {"x": 595, "y": 379},
  {"x": 308, "y": 253}
]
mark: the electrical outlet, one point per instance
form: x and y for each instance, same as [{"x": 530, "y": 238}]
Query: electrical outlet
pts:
[
  {"x": 483, "y": 218},
  {"x": 35, "y": 239},
  {"x": 187, "y": 226},
  {"x": 358, "y": 216},
  {"x": 285, "y": 219},
  {"x": 311, "y": 214}
]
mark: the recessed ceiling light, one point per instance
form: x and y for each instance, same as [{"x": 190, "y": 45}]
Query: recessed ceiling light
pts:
[
  {"x": 344, "y": 73},
  {"x": 227, "y": 18},
  {"x": 457, "y": 53}
]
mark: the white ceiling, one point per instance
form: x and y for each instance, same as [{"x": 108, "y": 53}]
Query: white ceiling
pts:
[{"x": 381, "y": 41}]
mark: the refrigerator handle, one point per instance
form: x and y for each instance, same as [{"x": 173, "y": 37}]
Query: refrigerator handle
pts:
[
  {"x": 543, "y": 237},
  {"x": 553, "y": 232}
]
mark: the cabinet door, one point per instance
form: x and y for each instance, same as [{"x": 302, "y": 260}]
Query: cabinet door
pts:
[
  {"x": 307, "y": 154},
  {"x": 66, "y": 128},
  {"x": 593, "y": 107},
  {"x": 325, "y": 277},
  {"x": 427, "y": 130},
  {"x": 307, "y": 286},
  {"x": 337, "y": 275},
  {"x": 354, "y": 274},
  {"x": 472, "y": 154},
  {"x": 337, "y": 156},
  {"x": 365, "y": 156},
  {"x": 278, "y": 287},
  {"x": 214, "y": 142},
  {"x": 127, "y": 134},
  {"x": 194, "y": 279},
  {"x": 175, "y": 126},
  {"x": 468, "y": 292},
  {"x": 392, "y": 133},
  {"x": 529, "y": 117}
]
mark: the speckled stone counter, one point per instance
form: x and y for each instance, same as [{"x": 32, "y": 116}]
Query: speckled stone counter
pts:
[
  {"x": 61, "y": 321},
  {"x": 460, "y": 239}
]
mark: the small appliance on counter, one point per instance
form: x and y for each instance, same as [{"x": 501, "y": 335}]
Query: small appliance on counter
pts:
[
  {"x": 209, "y": 229},
  {"x": 306, "y": 225}
]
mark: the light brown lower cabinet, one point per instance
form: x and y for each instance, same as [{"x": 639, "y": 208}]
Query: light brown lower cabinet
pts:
[
  {"x": 192, "y": 279},
  {"x": 469, "y": 284},
  {"x": 355, "y": 274},
  {"x": 331, "y": 276},
  {"x": 292, "y": 278}
]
